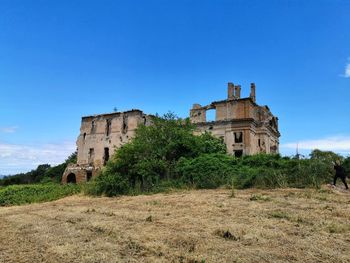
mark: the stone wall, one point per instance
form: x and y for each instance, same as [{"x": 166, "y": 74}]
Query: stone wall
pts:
[
  {"x": 245, "y": 127},
  {"x": 100, "y": 136}
]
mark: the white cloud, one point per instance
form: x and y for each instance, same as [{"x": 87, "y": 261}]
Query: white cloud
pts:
[
  {"x": 10, "y": 129},
  {"x": 339, "y": 144},
  {"x": 347, "y": 70},
  {"x": 15, "y": 158}
]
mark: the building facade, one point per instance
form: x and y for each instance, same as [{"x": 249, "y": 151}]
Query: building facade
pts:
[
  {"x": 99, "y": 136},
  {"x": 244, "y": 126}
]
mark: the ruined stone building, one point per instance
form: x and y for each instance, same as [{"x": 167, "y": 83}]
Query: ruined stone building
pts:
[
  {"x": 244, "y": 126},
  {"x": 99, "y": 136}
]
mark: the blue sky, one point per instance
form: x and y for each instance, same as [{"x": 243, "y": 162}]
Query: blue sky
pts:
[{"x": 60, "y": 60}]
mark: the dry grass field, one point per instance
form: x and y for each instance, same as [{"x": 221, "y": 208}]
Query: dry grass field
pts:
[{"x": 285, "y": 225}]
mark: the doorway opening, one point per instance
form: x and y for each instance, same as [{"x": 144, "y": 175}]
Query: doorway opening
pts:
[{"x": 71, "y": 179}]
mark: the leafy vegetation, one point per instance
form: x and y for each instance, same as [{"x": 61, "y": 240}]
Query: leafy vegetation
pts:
[
  {"x": 167, "y": 154},
  {"x": 152, "y": 157},
  {"x": 33, "y": 193}
]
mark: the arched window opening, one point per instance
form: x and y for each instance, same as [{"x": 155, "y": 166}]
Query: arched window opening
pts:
[{"x": 71, "y": 179}]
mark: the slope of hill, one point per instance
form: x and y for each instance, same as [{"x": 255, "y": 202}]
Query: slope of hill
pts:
[{"x": 284, "y": 225}]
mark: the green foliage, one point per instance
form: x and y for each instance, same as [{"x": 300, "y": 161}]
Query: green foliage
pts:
[
  {"x": 168, "y": 154},
  {"x": 152, "y": 156},
  {"x": 107, "y": 184},
  {"x": 206, "y": 143},
  {"x": 24, "y": 194},
  {"x": 206, "y": 170},
  {"x": 325, "y": 156},
  {"x": 346, "y": 165}
]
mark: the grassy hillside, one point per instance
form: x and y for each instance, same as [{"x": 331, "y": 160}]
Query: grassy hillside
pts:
[{"x": 281, "y": 225}]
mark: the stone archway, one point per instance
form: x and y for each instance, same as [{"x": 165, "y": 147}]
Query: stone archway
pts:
[{"x": 71, "y": 178}]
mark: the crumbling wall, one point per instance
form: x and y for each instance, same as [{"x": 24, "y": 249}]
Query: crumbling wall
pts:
[
  {"x": 100, "y": 136},
  {"x": 256, "y": 125}
]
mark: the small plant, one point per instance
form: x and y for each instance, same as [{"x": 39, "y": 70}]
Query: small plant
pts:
[
  {"x": 260, "y": 198},
  {"x": 279, "y": 215},
  {"x": 338, "y": 228},
  {"x": 154, "y": 202},
  {"x": 149, "y": 219}
]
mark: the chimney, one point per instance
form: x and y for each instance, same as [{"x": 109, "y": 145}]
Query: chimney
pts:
[
  {"x": 252, "y": 92},
  {"x": 230, "y": 90},
  {"x": 238, "y": 91}
]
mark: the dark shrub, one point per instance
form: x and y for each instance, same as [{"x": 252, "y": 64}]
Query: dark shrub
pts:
[
  {"x": 206, "y": 171},
  {"x": 108, "y": 184}
]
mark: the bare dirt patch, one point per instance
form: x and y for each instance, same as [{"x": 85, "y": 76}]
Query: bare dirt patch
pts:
[{"x": 285, "y": 225}]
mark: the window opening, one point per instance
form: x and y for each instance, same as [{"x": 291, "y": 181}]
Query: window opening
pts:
[
  {"x": 210, "y": 115},
  {"x": 106, "y": 156},
  {"x": 108, "y": 127},
  {"x": 238, "y": 137},
  {"x": 91, "y": 156},
  {"x": 88, "y": 175}
]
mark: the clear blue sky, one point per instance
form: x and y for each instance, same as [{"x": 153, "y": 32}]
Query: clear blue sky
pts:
[{"x": 60, "y": 60}]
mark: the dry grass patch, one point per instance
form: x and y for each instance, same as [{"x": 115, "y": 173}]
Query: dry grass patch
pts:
[{"x": 282, "y": 225}]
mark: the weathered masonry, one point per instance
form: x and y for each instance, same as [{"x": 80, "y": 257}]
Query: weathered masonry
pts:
[
  {"x": 244, "y": 126},
  {"x": 99, "y": 136}
]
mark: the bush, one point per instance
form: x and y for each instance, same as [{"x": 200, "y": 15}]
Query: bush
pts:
[
  {"x": 107, "y": 184},
  {"x": 206, "y": 170},
  {"x": 346, "y": 165},
  {"x": 152, "y": 156},
  {"x": 168, "y": 153},
  {"x": 23, "y": 194}
]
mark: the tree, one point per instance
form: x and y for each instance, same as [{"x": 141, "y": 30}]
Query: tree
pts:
[
  {"x": 153, "y": 153},
  {"x": 325, "y": 156}
]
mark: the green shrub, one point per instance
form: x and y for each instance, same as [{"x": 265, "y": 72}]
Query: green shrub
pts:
[
  {"x": 168, "y": 154},
  {"x": 152, "y": 156},
  {"x": 107, "y": 184},
  {"x": 23, "y": 194},
  {"x": 308, "y": 173},
  {"x": 346, "y": 165},
  {"x": 206, "y": 171},
  {"x": 244, "y": 176},
  {"x": 262, "y": 160}
]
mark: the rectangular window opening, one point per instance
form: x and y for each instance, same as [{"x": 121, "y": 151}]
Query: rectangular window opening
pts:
[
  {"x": 210, "y": 115},
  {"x": 93, "y": 126},
  {"x": 91, "y": 156},
  {"x": 88, "y": 176},
  {"x": 108, "y": 127},
  {"x": 238, "y": 137},
  {"x": 106, "y": 156},
  {"x": 125, "y": 124}
]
